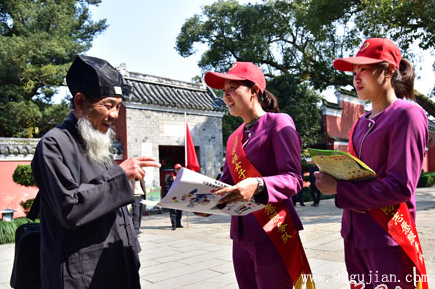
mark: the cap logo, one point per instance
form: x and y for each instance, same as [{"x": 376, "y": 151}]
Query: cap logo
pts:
[
  {"x": 117, "y": 89},
  {"x": 232, "y": 67},
  {"x": 364, "y": 46}
]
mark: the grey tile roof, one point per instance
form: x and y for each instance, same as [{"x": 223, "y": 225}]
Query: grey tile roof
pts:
[
  {"x": 24, "y": 147},
  {"x": 149, "y": 89},
  {"x": 332, "y": 105},
  {"x": 17, "y": 146}
]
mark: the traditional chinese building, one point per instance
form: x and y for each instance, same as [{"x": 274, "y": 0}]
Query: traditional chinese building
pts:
[{"x": 151, "y": 123}]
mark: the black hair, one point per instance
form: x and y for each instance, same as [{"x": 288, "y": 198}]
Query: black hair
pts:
[{"x": 268, "y": 101}]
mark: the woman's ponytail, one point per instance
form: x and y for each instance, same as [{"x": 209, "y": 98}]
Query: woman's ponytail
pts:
[
  {"x": 268, "y": 101},
  {"x": 403, "y": 80}
]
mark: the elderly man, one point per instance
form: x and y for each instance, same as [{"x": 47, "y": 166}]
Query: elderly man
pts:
[{"x": 87, "y": 235}]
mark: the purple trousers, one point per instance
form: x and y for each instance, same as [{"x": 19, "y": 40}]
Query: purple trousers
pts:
[
  {"x": 258, "y": 266},
  {"x": 376, "y": 266}
]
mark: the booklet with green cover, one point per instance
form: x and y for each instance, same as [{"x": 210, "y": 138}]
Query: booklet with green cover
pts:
[{"x": 341, "y": 165}]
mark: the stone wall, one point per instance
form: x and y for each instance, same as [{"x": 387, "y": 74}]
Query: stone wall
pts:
[{"x": 149, "y": 129}]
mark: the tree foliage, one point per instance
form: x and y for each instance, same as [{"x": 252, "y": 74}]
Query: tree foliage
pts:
[
  {"x": 53, "y": 115},
  {"x": 299, "y": 101},
  {"x": 272, "y": 34},
  {"x": 38, "y": 42},
  {"x": 299, "y": 39},
  {"x": 405, "y": 22},
  {"x": 229, "y": 124}
]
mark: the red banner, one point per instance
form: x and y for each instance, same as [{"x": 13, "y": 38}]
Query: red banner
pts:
[
  {"x": 191, "y": 158},
  {"x": 397, "y": 221},
  {"x": 274, "y": 218}
]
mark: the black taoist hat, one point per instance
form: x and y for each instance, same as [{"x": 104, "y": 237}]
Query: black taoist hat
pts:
[{"x": 95, "y": 78}]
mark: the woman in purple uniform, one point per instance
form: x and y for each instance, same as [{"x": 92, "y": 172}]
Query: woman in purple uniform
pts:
[
  {"x": 262, "y": 164},
  {"x": 391, "y": 139}
]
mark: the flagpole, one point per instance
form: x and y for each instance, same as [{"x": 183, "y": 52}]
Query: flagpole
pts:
[
  {"x": 185, "y": 139},
  {"x": 185, "y": 159}
]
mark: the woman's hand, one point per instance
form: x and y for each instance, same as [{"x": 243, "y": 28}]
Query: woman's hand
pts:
[
  {"x": 326, "y": 183},
  {"x": 243, "y": 191}
]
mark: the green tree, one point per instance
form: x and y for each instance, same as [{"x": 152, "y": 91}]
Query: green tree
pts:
[
  {"x": 271, "y": 36},
  {"x": 52, "y": 116},
  {"x": 229, "y": 124},
  {"x": 301, "y": 102},
  {"x": 405, "y": 22},
  {"x": 38, "y": 42},
  {"x": 20, "y": 118},
  {"x": 299, "y": 39}
]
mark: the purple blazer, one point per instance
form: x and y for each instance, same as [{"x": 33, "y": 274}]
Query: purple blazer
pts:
[
  {"x": 274, "y": 148},
  {"x": 393, "y": 144}
]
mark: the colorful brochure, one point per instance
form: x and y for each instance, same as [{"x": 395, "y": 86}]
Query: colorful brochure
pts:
[
  {"x": 195, "y": 192},
  {"x": 341, "y": 165}
]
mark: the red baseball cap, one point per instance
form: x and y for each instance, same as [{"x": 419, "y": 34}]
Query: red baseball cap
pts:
[
  {"x": 239, "y": 71},
  {"x": 177, "y": 166},
  {"x": 373, "y": 50}
]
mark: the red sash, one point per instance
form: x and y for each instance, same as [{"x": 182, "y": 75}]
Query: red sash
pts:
[
  {"x": 274, "y": 218},
  {"x": 397, "y": 221}
]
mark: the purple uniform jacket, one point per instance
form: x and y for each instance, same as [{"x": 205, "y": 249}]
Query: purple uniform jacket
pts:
[
  {"x": 393, "y": 144},
  {"x": 273, "y": 146}
]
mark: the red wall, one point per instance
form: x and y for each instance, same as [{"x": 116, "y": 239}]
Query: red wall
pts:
[
  {"x": 11, "y": 194},
  {"x": 339, "y": 126}
]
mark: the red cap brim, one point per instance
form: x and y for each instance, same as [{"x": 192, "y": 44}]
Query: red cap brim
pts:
[
  {"x": 216, "y": 80},
  {"x": 346, "y": 64}
]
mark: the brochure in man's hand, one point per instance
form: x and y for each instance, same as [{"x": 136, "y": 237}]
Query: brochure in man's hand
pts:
[
  {"x": 195, "y": 192},
  {"x": 341, "y": 165}
]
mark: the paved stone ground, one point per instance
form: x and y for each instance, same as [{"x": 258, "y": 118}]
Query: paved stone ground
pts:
[{"x": 198, "y": 256}]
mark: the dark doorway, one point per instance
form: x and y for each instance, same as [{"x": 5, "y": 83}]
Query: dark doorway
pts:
[{"x": 169, "y": 156}]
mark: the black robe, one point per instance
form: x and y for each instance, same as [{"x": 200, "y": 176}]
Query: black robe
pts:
[{"x": 87, "y": 235}]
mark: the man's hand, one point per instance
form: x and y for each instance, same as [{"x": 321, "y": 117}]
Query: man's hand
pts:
[
  {"x": 326, "y": 183},
  {"x": 243, "y": 191},
  {"x": 133, "y": 166}
]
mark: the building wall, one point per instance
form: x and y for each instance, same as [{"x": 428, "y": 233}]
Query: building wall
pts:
[
  {"x": 351, "y": 112},
  {"x": 149, "y": 129},
  {"x": 429, "y": 160},
  {"x": 11, "y": 193},
  {"x": 339, "y": 122}
]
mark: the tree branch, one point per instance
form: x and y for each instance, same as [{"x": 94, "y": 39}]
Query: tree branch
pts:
[{"x": 425, "y": 102}]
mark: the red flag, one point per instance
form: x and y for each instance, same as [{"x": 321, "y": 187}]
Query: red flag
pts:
[{"x": 191, "y": 159}]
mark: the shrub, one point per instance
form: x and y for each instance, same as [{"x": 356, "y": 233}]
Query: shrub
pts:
[
  {"x": 7, "y": 230},
  {"x": 23, "y": 175},
  {"x": 27, "y": 205},
  {"x": 305, "y": 165},
  {"x": 307, "y": 194},
  {"x": 426, "y": 180}
]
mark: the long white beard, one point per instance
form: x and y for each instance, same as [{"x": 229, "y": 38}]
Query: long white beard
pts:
[{"x": 97, "y": 144}]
